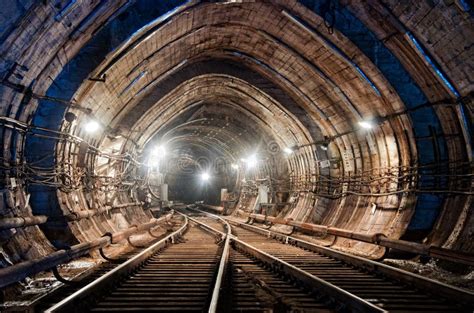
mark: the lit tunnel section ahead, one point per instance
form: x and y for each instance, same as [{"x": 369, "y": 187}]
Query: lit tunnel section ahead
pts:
[{"x": 346, "y": 125}]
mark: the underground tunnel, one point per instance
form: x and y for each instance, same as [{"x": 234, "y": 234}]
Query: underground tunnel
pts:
[{"x": 236, "y": 156}]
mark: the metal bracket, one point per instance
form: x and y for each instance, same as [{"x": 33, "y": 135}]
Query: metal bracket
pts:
[
  {"x": 101, "y": 79},
  {"x": 266, "y": 222},
  {"x": 153, "y": 235},
  {"x": 292, "y": 231},
  {"x": 115, "y": 261},
  {"x": 62, "y": 279},
  {"x": 267, "y": 226}
]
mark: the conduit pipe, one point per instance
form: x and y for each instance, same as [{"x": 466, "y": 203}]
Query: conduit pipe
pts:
[
  {"x": 17, "y": 222},
  {"x": 19, "y": 271},
  {"x": 377, "y": 239},
  {"x": 218, "y": 209},
  {"x": 89, "y": 213}
]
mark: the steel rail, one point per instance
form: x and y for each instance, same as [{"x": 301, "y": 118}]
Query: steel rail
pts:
[
  {"x": 347, "y": 299},
  {"x": 356, "y": 303},
  {"x": 222, "y": 264},
  {"x": 203, "y": 225},
  {"x": 421, "y": 282},
  {"x": 72, "y": 302}
]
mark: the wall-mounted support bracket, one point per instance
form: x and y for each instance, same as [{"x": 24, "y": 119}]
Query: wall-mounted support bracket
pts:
[
  {"x": 114, "y": 261},
  {"x": 62, "y": 279}
]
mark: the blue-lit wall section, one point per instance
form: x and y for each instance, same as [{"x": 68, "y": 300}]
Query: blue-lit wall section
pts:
[
  {"x": 50, "y": 114},
  {"x": 425, "y": 121}
]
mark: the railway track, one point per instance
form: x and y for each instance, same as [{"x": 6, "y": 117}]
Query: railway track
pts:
[
  {"x": 252, "y": 286},
  {"x": 174, "y": 274},
  {"x": 209, "y": 266},
  {"x": 388, "y": 288},
  {"x": 43, "y": 303},
  {"x": 255, "y": 287},
  {"x": 177, "y": 279}
]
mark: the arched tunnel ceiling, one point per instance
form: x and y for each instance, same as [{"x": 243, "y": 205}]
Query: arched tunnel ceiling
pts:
[
  {"x": 223, "y": 67},
  {"x": 228, "y": 78}
]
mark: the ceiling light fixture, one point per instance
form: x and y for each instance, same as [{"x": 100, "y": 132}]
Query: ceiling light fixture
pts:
[
  {"x": 92, "y": 126},
  {"x": 205, "y": 176},
  {"x": 288, "y": 150},
  {"x": 251, "y": 161},
  {"x": 366, "y": 124},
  {"x": 159, "y": 151}
]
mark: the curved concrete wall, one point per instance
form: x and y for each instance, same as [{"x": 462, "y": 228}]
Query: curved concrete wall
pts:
[{"x": 264, "y": 75}]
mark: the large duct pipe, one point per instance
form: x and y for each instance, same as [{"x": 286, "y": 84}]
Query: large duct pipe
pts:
[
  {"x": 19, "y": 271},
  {"x": 89, "y": 213},
  {"x": 17, "y": 222}
]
